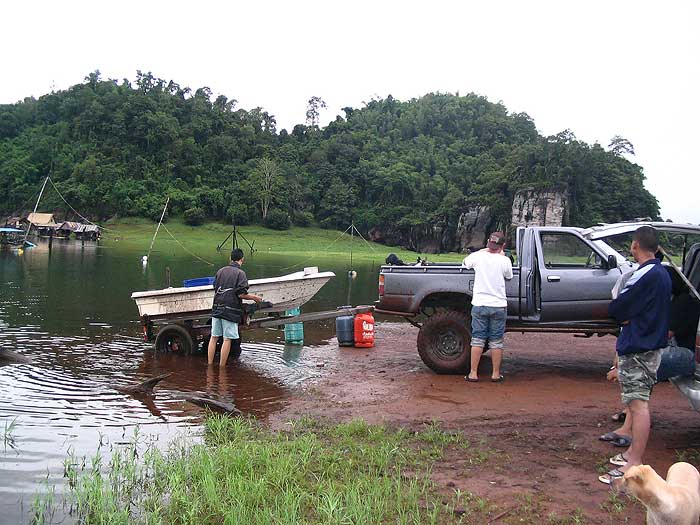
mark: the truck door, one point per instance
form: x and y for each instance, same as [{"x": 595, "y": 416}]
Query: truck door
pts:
[
  {"x": 525, "y": 303},
  {"x": 576, "y": 283}
]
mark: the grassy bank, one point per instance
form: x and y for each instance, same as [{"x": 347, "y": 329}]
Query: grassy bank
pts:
[
  {"x": 242, "y": 473},
  {"x": 136, "y": 234}
]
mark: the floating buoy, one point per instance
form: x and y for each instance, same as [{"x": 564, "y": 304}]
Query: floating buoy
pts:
[
  {"x": 144, "y": 260},
  {"x": 352, "y": 274}
]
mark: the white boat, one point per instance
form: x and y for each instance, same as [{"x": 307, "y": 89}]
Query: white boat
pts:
[{"x": 285, "y": 292}]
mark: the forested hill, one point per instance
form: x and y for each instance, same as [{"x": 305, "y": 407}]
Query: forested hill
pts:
[{"x": 119, "y": 148}]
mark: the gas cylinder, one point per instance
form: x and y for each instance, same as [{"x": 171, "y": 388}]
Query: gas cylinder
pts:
[
  {"x": 364, "y": 330},
  {"x": 344, "y": 329}
]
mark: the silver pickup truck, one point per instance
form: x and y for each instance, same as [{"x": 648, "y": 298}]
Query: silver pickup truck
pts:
[{"x": 562, "y": 282}]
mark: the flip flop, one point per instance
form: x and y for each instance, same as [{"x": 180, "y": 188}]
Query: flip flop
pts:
[
  {"x": 610, "y": 436},
  {"x": 621, "y": 441},
  {"x": 618, "y": 460},
  {"x": 498, "y": 379},
  {"x": 471, "y": 380},
  {"x": 611, "y": 476}
]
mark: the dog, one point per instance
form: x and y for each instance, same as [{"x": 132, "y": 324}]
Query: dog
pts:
[{"x": 673, "y": 501}]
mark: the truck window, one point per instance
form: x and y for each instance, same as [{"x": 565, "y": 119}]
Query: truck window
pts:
[{"x": 563, "y": 250}]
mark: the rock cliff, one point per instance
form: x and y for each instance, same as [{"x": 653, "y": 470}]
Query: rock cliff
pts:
[
  {"x": 530, "y": 208},
  {"x": 539, "y": 208}
]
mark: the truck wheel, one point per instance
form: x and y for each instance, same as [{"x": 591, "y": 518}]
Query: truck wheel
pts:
[
  {"x": 174, "y": 338},
  {"x": 444, "y": 342}
]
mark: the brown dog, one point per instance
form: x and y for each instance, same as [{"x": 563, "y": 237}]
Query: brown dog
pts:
[{"x": 674, "y": 501}]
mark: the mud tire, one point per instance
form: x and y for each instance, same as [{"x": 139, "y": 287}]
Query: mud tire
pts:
[
  {"x": 174, "y": 339},
  {"x": 444, "y": 342}
]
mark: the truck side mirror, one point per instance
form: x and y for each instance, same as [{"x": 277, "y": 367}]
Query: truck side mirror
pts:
[{"x": 612, "y": 262}]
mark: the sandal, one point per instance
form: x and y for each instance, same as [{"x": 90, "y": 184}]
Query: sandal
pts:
[
  {"x": 618, "y": 460},
  {"x": 611, "y": 476},
  {"x": 471, "y": 379},
  {"x": 498, "y": 379},
  {"x": 621, "y": 441},
  {"x": 616, "y": 439}
]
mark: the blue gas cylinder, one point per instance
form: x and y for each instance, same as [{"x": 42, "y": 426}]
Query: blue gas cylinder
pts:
[{"x": 344, "y": 329}]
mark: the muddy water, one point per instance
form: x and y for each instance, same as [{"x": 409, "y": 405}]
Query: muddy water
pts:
[{"x": 69, "y": 310}]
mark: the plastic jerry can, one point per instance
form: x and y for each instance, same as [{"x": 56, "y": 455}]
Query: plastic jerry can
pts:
[
  {"x": 364, "y": 330},
  {"x": 344, "y": 330},
  {"x": 294, "y": 332}
]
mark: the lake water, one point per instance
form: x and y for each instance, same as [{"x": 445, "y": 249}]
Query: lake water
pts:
[{"x": 69, "y": 310}]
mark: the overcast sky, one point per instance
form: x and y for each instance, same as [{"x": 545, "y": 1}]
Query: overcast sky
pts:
[{"x": 599, "y": 68}]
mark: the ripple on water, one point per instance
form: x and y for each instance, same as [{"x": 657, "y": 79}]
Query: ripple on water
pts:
[{"x": 66, "y": 398}]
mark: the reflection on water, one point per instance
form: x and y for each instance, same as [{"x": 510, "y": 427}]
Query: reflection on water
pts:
[{"x": 69, "y": 310}]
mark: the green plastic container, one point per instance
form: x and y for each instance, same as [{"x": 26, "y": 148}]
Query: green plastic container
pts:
[{"x": 294, "y": 332}]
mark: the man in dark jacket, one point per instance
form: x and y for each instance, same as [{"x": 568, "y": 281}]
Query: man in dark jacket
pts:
[
  {"x": 230, "y": 288},
  {"x": 642, "y": 308}
]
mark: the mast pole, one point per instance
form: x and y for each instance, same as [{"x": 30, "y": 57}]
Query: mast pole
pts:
[
  {"x": 36, "y": 206},
  {"x": 158, "y": 227}
]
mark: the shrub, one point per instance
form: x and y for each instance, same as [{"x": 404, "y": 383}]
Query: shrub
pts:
[
  {"x": 194, "y": 216},
  {"x": 151, "y": 207},
  {"x": 303, "y": 218},
  {"x": 278, "y": 220},
  {"x": 238, "y": 213},
  {"x": 329, "y": 223}
]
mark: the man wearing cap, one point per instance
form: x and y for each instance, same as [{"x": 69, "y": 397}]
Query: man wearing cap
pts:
[
  {"x": 230, "y": 288},
  {"x": 489, "y": 306}
]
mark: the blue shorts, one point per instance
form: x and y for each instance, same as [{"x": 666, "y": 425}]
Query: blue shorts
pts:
[
  {"x": 223, "y": 327},
  {"x": 488, "y": 324}
]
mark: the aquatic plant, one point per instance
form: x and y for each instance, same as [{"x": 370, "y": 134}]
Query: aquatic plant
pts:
[{"x": 8, "y": 434}]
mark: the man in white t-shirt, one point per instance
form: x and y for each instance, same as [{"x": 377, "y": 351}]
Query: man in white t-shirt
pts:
[{"x": 489, "y": 306}]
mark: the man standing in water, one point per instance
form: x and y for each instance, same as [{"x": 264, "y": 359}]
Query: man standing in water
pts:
[
  {"x": 642, "y": 308},
  {"x": 489, "y": 306},
  {"x": 230, "y": 288}
]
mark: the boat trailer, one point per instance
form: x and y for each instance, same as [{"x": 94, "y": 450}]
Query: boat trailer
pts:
[{"x": 183, "y": 333}]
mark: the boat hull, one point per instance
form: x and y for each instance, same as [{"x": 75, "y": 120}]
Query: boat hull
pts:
[{"x": 285, "y": 293}]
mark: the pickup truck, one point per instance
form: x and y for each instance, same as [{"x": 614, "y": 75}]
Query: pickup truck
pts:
[{"x": 562, "y": 282}]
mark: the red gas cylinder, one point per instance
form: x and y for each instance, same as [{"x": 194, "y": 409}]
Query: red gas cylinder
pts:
[{"x": 364, "y": 330}]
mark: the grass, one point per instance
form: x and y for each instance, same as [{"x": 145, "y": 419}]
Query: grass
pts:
[
  {"x": 243, "y": 473},
  {"x": 136, "y": 234},
  {"x": 8, "y": 433},
  {"x": 689, "y": 455}
]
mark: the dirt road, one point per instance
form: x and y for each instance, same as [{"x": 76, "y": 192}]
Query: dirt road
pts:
[{"x": 538, "y": 430}]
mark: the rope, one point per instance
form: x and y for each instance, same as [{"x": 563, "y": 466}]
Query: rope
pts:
[
  {"x": 183, "y": 247},
  {"x": 76, "y": 211},
  {"x": 361, "y": 237},
  {"x": 311, "y": 257}
]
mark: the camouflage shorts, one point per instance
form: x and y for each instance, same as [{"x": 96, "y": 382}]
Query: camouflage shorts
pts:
[{"x": 637, "y": 375}]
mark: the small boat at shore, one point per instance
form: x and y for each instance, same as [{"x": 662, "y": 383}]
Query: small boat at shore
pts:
[{"x": 285, "y": 293}]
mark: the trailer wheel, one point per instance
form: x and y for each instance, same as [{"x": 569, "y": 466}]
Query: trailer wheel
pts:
[
  {"x": 174, "y": 338},
  {"x": 444, "y": 342}
]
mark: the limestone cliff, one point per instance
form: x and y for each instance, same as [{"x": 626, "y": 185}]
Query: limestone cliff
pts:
[{"x": 539, "y": 208}]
